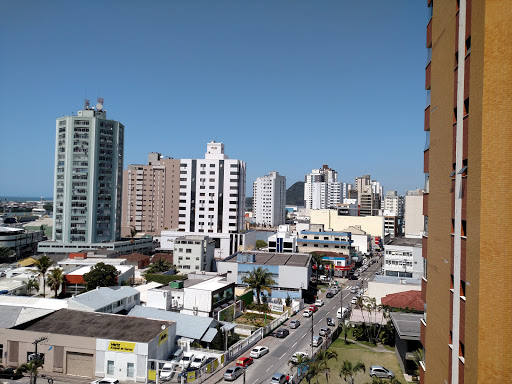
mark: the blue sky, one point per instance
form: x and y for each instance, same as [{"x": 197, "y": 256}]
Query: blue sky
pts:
[{"x": 287, "y": 85}]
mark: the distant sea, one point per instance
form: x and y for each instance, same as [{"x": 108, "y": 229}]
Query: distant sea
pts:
[{"x": 21, "y": 198}]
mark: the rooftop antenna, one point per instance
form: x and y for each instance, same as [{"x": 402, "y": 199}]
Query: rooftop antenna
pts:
[
  {"x": 99, "y": 106},
  {"x": 86, "y": 104}
]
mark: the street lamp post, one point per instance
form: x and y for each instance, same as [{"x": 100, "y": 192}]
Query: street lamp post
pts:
[
  {"x": 36, "y": 342},
  {"x": 312, "y": 332}
]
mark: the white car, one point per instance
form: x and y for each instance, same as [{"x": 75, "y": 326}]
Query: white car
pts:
[
  {"x": 257, "y": 352},
  {"x": 166, "y": 372},
  {"x": 354, "y": 300},
  {"x": 296, "y": 355},
  {"x": 106, "y": 381},
  {"x": 198, "y": 361},
  {"x": 307, "y": 313},
  {"x": 319, "y": 303},
  {"x": 186, "y": 360},
  {"x": 342, "y": 312}
]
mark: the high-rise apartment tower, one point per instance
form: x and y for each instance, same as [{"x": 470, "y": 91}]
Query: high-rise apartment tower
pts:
[
  {"x": 269, "y": 199},
  {"x": 467, "y": 330},
  {"x": 88, "y": 177},
  {"x": 322, "y": 189}
]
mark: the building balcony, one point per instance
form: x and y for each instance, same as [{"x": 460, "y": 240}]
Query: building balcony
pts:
[{"x": 429, "y": 34}]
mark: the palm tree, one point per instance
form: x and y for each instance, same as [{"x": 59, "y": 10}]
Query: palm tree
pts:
[
  {"x": 313, "y": 371},
  {"x": 417, "y": 357},
  {"x": 301, "y": 361},
  {"x": 345, "y": 329},
  {"x": 31, "y": 285},
  {"x": 42, "y": 265},
  {"x": 259, "y": 279},
  {"x": 317, "y": 260},
  {"x": 323, "y": 358},
  {"x": 55, "y": 280},
  {"x": 31, "y": 368},
  {"x": 349, "y": 370},
  {"x": 161, "y": 265}
]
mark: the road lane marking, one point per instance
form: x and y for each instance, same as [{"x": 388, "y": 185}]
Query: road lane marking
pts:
[
  {"x": 328, "y": 312},
  {"x": 255, "y": 382},
  {"x": 269, "y": 368},
  {"x": 282, "y": 356},
  {"x": 294, "y": 344}
]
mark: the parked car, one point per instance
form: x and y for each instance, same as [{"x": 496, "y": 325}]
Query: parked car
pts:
[
  {"x": 244, "y": 361},
  {"x": 324, "y": 278},
  {"x": 352, "y": 277},
  {"x": 379, "y": 371},
  {"x": 198, "y": 361},
  {"x": 343, "y": 312},
  {"x": 186, "y": 360},
  {"x": 319, "y": 303},
  {"x": 329, "y": 295},
  {"x": 106, "y": 380},
  {"x": 10, "y": 373},
  {"x": 317, "y": 341},
  {"x": 354, "y": 289},
  {"x": 294, "y": 324},
  {"x": 257, "y": 352},
  {"x": 308, "y": 312},
  {"x": 330, "y": 322},
  {"x": 282, "y": 333},
  {"x": 278, "y": 378},
  {"x": 314, "y": 308},
  {"x": 296, "y": 355},
  {"x": 166, "y": 372},
  {"x": 354, "y": 300},
  {"x": 324, "y": 331},
  {"x": 233, "y": 373}
]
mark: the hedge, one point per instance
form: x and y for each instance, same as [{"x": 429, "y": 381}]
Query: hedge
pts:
[{"x": 164, "y": 279}]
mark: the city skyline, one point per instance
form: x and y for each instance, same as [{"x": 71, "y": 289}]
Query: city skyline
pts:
[{"x": 286, "y": 86}]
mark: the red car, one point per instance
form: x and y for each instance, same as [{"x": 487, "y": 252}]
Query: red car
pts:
[
  {"x": 244, "y": 361},
  {"x": 314, "y": 308}
]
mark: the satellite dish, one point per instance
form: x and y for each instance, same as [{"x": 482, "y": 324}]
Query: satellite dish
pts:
[
  {"x": 99, "y": 106},
  {"x": 163, "y": 326}
]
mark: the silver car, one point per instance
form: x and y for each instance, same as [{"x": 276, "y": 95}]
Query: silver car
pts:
[
  {"x": 379, "y": 371},
  {"x": 317, "y": 341},
  {"x": 294, "y": 324},
  {"x": 232, "y": 373}
]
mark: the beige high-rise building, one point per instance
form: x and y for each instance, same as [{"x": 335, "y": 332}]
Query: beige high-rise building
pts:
[{"x": 151, "y": 196}]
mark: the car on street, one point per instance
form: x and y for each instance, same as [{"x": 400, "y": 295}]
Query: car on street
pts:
[
  {"x": 379, "y": 371},
  {"x": 342, "y": 312},
  {"x": 329, "y": 295},
  {"x": 319, "y": 303},
  {"x": 324, "y": 331},
  {"x": 296, "y": 355},
  {"x": 317, "y": 341},
  {"x": 244, "y": 361},
  {"x": 106, "y": 380},
  {"x": 198, "y": 361},
  {"x": 278, "y": 378},
  {"x": 10, "y": 373},
  {"x": 352, "y": 277},
  {"x": 259, "y": 351},
  {"x": 308, "y": 312},
  {"x": 354, "y": 300},
  {"x": 314, "y": 308},
  {"x": 354, "y": 289},
  {"x": 294, "y": 324},
  {"x": 331, "y": 322},
  {"x": 186, "y": 360},
  {"x": 233, "y": 373},
  {"x": 282, "y": 333},
  {"x": 324, "y": 278}
]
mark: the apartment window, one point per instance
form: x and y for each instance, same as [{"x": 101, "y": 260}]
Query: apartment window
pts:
[
  {"x": 468, "y": 45},
  {"x": 110, "y": 367},
  {"x": 463, "y": 288},
  {"x": 211, "y": 187},
  {"x": 212, "y": 165},
  {"x": 212, "y": 180},
  {"x": 466, "y": 107},
  {"x": 189, "y": 250},
  {"x": 212, "y": 172},
  {"x": 461, "y": 349},
  {"x": 130, "y": 370},
  {"x": 463, "y": 228}
]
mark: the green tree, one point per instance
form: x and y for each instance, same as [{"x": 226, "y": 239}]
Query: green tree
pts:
[
  {"x": 378, "y": 380},
  {"x": 161, "y": 265},
  {"x": 101, "y": 275},
  {"x": 31, "y": 285},
  {"x": 31, "y": 368},
  {"x": 5, "y": 254},
  {"x": 323, "y": 357},
  {"x": 288, "y": 300},
  {"x": 56, "y": 279},
  {"x": 259, "y": 279},
  {"x": 301, "y": 361},
  {"x": 133, "y": 232},
  {"x": 418, "y": 356},
  {"x": 349, "y": 370},
  {"x": 313, "y": 370},
  {"x": 317, "y": 260},
  {"x": 42, "y": 265},
  {"x": 261, "y": 244}
]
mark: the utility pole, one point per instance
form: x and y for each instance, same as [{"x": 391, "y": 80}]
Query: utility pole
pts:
[
  {"x": 36, "y": 342},
  {"x": 244, "y": 375},
  {"x": 312, "y": 328}
]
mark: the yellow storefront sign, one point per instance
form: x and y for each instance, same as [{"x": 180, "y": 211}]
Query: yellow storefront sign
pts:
[
  {"x": 162, "y": 338},
  {"x": 121, "y": 346},
  {"x": 151, "y": 374},
  {"x": 191, "y": 376}
]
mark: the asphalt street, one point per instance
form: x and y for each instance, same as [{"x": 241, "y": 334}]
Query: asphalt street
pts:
[{"x": 281, "y": 350}]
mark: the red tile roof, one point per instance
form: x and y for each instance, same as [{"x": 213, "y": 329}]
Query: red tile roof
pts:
[
  {"x": 165, "y": 256},
  {"x": 407, "y": 299},
  {"x": 134, "y": 257}
]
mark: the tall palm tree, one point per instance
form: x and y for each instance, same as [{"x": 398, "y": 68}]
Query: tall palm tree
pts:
[
  {"x": 42, "y": 265},
  {"x": 323, "y": 358},
  {"x": 31, "y": 285},
  {"x": 31, "y": 368},
  {"x": 345, "y": 328},
  {"x": 301, "y": 361},
  {"x": 313, "y": 371},
  {"x": 349, "y": 370},
  {"x": 259, "y": 279},
  {"x": 56, "y": 279}
]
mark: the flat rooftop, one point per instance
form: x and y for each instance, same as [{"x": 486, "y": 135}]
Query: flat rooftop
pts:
[
  {"x": 98, "y": 325},
  {"x": 212, "y": 284},
  {"x": 83, "y": 270},
  {"x": 405, "y": 242},
  {"x": 271, "y": 258},
  {"x": 407, "y": 324}
]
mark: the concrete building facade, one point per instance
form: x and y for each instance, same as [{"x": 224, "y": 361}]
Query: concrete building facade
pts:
[
  {"x": 403, "y": 258},
  {"x": 269, "y": 199},
  {"x": 414, "y": 220},
  {"x": 322, "y": 189},
  {"x": 194, "y": 253}
]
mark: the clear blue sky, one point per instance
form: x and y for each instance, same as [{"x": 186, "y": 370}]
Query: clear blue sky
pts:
[{"x": 287, "y": 85}]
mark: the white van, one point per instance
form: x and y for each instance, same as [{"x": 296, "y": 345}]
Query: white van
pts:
[{"x": 342, "y": 315}]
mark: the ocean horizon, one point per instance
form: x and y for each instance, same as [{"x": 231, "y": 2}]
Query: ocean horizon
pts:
[{"x": 20, "y": 199}]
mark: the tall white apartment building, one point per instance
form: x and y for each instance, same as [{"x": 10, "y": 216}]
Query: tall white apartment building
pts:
[
  {"x": 391, "y": 203},
  {"x": 345, "y": 188},
  {"x": 322, "y": 189},
  {"x": 269, "y": 199},
  {"x": 88, "y": 177},
  {"x": 212, "y": 193}
]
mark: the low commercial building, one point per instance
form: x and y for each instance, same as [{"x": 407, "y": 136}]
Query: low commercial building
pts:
[
  {"x": 330, "y": 241},
  {"x": 361, "y": 241},
  {"x": 407, "y": 338},
  {"x": 342, "y": 264},
  {"x": 86, "y": 344},
  {"x": 75, "y": 282},
  {"x": 330, "y": 218},
  {"x": 106, "y": 300},
  {"x": 403, "y": 258},
  {"x": 208, "y": 297},
  {"x": 144, "y": 245},
  {"x": 284, "y": 241},
  {"x": 138, "y": 260},
  {"x": 382, "y": 286},
  {"x": 193, "y": 253},
  {"x": 291, "y": 271},
  {"x": 21, "y": 241}
]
